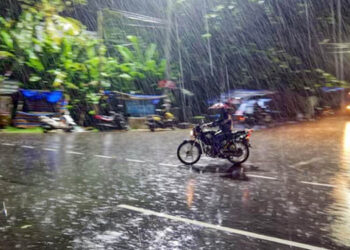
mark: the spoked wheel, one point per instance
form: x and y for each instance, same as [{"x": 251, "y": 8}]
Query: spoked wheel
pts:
[
  {"x": 189, "y": 152},
  {"x": 239, "y": 152}
]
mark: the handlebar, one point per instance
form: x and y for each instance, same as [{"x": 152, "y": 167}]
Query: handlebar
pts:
[{"x": 210, "y": 124}]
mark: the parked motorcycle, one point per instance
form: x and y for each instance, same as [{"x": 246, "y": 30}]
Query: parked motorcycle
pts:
[
  {"x": 258, "y": 118},
  {"x": 250, "y": 113},
  {"x": 66, "y": 123},
  {"x": 115, "y": 120},
  {"x": 235, "y": 147},
  {"x": 165, "y": 120}
]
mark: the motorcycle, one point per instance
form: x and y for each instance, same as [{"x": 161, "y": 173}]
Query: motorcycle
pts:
[
  {"x": 234, "y": 148},
  {"x": 115, "y": 120},
  {"x": 165, "y": 120},
  {"x": 66, "y": 123},
  {"x": 261, "y": 118}
]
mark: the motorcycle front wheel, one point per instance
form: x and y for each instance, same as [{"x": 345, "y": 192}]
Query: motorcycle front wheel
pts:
[
  {"x": 151, "y": 128},
  {"x": 239, "y": 152},
  {"x": 189, "y": 152}
]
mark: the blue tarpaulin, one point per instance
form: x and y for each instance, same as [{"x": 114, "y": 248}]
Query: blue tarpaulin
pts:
[
  {"x": 331, "y": 89},
  {"x": 149, "y": 97},
  {"x": 155, "y": 99},
  {"x": 51, "y": 97},
  {"x": 140, "y": 108}
]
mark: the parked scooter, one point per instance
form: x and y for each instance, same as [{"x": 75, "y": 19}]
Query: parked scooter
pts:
[
  {"x": 164, "y": 120},
  {"x": 260, "y": 117},
  {"x": 323, "y": 111},
  {"x": 65, "y": 123},
  {"x": 115, "y": 120}
]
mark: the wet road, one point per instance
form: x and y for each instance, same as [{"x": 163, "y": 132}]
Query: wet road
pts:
[{"x": 129, "y": 191}]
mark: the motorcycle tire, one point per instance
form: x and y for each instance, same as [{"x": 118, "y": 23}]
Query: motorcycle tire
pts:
[
  {"x": 246, "y": 156},
  {"x": 193, "y": 145}
]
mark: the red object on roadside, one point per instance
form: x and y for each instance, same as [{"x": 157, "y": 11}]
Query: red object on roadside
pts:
[
  {"x": 250, "y": 131},
  {"x": 103, "y": 118},
  {"x": 167, "y": 84},
  {"x": 233, "y": 101},
  {"x": 241, "y": 118},
  {"x": 219, "y": 105}
]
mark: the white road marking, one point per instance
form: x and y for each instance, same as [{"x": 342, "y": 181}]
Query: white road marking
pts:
[
  {"x": 74, "y": 153},
  {"x": 104, "y": 156},
  {"x": 261, "y": 176},
  {"x": 8, "y": 144},
  {"x": 24, "y": 146},
  {"x": 302, "y": 163},
  {"x": 49, "y": 149},
  {"x": 318, "y": 184},
  {"x": 221, "y": 228},
  {"x": 167, "y": 165},
  {"x": 4, "y": 208},
  {"x": 133, "y": 160}
]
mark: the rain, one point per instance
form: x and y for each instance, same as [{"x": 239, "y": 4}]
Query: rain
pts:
[{"x": 174, "y": 124}]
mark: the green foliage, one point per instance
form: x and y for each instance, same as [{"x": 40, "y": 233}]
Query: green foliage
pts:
[
  {"x": 258, "y": 43},
  {"x": 20, "y": 130},
  {"x": 47, "y": 51},
  {"x": 141, "y": 64}
]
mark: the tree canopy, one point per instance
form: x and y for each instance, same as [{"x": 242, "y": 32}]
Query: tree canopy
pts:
[{"x": 215, "y": 45}]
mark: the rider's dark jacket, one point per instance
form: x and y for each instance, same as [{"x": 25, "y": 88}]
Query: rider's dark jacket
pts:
[{"x": 224, "y": 123}]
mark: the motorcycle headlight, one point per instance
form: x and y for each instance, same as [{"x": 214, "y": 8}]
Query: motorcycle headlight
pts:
[{"x": 193, "y": 132}]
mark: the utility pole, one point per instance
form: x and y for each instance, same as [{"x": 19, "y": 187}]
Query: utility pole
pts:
[
  {"x": 227, "y": 82},
  {"x": 100, "y": 37},
  {"x": 208, "y": 38},
  {"x": 308, "y": 22},
  {"x": 167, "y": 47},
  {"x": 167, "y": 44},
  {"x": 334, "y": 33},
  {"x": 341, "y": 55},
  {"x": 182, "y": 97},
  {"x": 340, "y": 40}
]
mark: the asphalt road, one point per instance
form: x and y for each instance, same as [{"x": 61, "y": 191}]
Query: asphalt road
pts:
[{"x": 127, "y": 190}]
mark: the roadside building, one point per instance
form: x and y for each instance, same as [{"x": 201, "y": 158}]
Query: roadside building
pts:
[{"x": 8, "y": 91}]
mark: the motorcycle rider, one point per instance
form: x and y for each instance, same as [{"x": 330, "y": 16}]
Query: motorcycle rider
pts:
[{"x": 225, "y": 123}]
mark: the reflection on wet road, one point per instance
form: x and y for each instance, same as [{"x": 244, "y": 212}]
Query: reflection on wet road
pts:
[
  {"x": 340, "y": 209},
  {"x": 59, "y": 191}
]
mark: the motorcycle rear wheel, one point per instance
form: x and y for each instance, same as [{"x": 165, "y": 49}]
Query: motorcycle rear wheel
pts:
[
  {"x": 189, "y": 149},
  {"x": 241, "y": 154}
]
